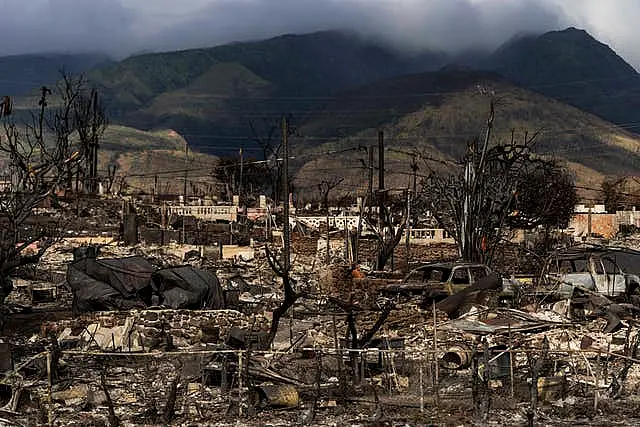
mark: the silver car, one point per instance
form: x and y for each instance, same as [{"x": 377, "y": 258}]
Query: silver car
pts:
[{"x": 599, "y": 273}]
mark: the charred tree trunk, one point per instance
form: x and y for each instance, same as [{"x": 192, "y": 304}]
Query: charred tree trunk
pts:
[{"x": 282, "y": 268}]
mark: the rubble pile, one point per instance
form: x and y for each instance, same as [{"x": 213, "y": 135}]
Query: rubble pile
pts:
[
  {"x": 356, "y": 347},
  {"x": 305, "y": 245},
  {"x": 147, "y": 330}
]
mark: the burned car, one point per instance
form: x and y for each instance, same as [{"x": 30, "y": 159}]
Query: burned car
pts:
[
  {"x": 439, "y": 280},
  {"x": 600, "y": 270}
]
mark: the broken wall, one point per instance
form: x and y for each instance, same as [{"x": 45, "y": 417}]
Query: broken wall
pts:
[{"x": 605, "y": 225}]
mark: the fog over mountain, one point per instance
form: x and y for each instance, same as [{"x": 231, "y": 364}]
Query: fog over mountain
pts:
[{"x": 124, "y": 27}]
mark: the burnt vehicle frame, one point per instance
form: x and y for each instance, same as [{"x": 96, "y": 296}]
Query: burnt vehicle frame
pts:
[
  {"x": 608, "y": 271},
  {"x": 437, "y": 281}
]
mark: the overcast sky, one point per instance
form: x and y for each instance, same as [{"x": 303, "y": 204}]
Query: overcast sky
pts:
[{"x": 123, "y": 27}]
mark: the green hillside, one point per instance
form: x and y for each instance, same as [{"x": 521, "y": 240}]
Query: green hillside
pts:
[
  {"x": 211, "y": 95},
  {"x": 438, "y": 113},
  {"x": 141, "y": 156},
  {"x": 216, "y": 91},
  {"x": 339, "y": 89}
]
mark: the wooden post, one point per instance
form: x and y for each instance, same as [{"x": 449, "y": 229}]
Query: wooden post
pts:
[
  {"x": 381, "y": 198},
  {"x": 186, "y": 172},
  {"x": 291, "y": 328},
  {"x": 49, "y": 374},
  {"x": 421, "y": 388},
  {"x": 240, "y": 383},
  {"x": 511, "y": 364},
  {"x": 370, "y": 190},
  {"x": 596, "y": 393},
  {"x": 347, "y": 253},
  {"x": 435, "y": 355},
  {"x": 240, "y": 186},
  {"x": 338, "y": 353},
  {"x": 485, "y": 381},
  {"x": 155, "y": 188},
  {"x": 326, "y": 201},
  {"x": 285, "y": 181},
  {"x": 408, "y": 231}
]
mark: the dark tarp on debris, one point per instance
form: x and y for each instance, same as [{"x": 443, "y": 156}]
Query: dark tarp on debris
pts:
[
  {"x": 188, "y": 287},
  {"x": 109, "y": 284},
  {"x": 125, "y": 283}
]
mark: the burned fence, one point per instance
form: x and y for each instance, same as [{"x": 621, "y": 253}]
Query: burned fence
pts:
[{"x": 221, "y": 386}]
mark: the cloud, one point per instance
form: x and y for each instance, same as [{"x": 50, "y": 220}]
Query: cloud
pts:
[
  {"x": 614, "y": 22},
  {"x": 63, "y": 25},
  {"x": 122, "y": 27},
  {"x": 414, "y": 24}
]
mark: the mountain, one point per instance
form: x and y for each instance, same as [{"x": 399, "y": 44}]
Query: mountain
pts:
[
  {"x": 338, "y": 88},
  {"x": 22, "y": 74},
  {"x": 573, "y": 67},
  {"x": 211, "y": 95},
  {"x": 228, "y": 96},
  {"x": 438, "y": 113}
]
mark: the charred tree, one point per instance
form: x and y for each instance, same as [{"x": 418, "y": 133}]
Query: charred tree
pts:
[
  {"x": 282, "y": 267},
  {"x": 390, "y": 232},
  {"x": 494, "y": 189},
  {"x": 325, "y": 188},
  {"x": 44, "y": 151}
]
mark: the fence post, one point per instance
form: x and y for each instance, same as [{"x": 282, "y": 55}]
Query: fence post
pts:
[
  {"x": 421, "y": 388},
  {"x": 240, "y": 383}
]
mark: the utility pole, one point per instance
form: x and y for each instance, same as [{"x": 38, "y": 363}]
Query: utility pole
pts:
[
  {"x": 240, "y": 187},
  {"x": 381, "y": 198},
  {"x": 414, "y": 168},
  {"x": 370, "y": 196},
  {"x": 186, "y": 172},
  {"x": 155, "y": 188},
  {"x": 285, "y": 184},
  {"x": 408, "y": 228},
  {"x": 381, "y": 159},
  {"x": 326, "y": 206},
  {"x": 411, "y": 195},
  {"x": 184, "y": 191},
  {"x": 91, "y": 180},
  {"x": 94, "y": 159}
]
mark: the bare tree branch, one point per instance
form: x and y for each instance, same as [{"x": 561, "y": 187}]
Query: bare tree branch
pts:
[{"x": 43, "y": 153}]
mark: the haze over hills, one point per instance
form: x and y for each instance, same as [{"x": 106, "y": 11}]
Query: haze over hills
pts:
[
  {"x": 22, "y": 74},
  {"x": 140, "y": 155}
]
